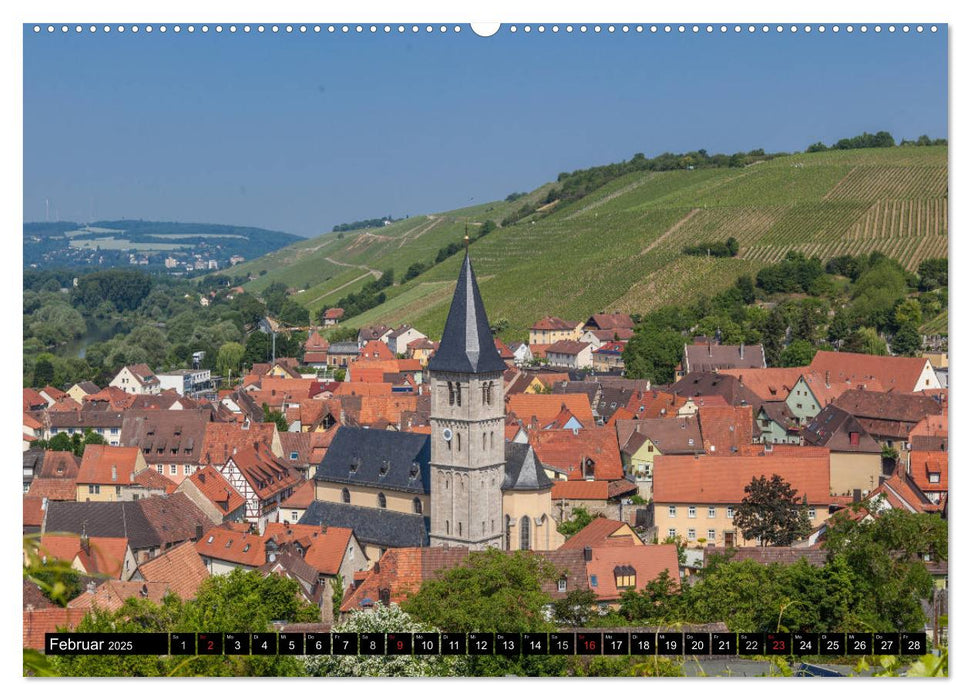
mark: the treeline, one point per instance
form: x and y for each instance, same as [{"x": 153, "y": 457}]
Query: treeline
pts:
[
  {"x": 580, "y": 183},
  {"x": 716, "y": 249},
  {"x": 370, "y": 295},
  {"x": 852, "y": 304},
  {"x": 365, "y": 223},
  {"x": 881, "y": 139}
]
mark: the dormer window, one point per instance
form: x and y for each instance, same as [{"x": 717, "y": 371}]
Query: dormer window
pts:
[
  {"x": 625, "y": 577},
  {"x": 384, "y": 468},
  {"x": 294, "y": 456},
  {"x": 414, "y": 470},
  {"x": 355, "y": 463}
]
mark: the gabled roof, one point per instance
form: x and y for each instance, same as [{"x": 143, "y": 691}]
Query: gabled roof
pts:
[
  {"x": 179, "y": 568},
  {"x": 610, "y": 321},
  {"x": 111, "y": 595},
  {"x": 923, "y": 465},
  {"x": 266, "y": 474},
  {"x": 334, "y": 313},
  {"x": 226, "y": 544},
  {"x": 567, "y": 452},
  {"x": 904, "y": 407},
  {"x": 104, "y": 556},
  {"x": 655, "y": 404},
  {"x": 104, "y": 464},
  {"x": 669, "y": 435},
  {"x": 710, "y": 357},
  {"x": 378, "y": 458},
  {"x": 382, "y": 528},
  {"x": 54, "y": 489},
  {"x": 376, "y": 350},
  {"x": 467, "y": 345},
  {"x": 323, "y": 549},
  {"x": 37, "y": 623},
  {"x": 143, "y": 373},
  {"x": 833, "y": 427},
  {"x": 222, "y": 440},
  {"x": 523, "y": 470},
  {"x": 768, "y": 383},
  {"x": 401, "y": 572},
  {"x": 725, "y": 429},
  {"x": 580, "y": 490},
  {"x": 546, "y": 407},
  {"x": 301, "y": 497},
  {"x": 566, "y": 347},
  {"x": 645, "y": 563},
  {"x": 553, "y": 323},
  {"x": 59, "y": 465},
  {"x": 714, "y": 479},
  {"x": 893, "y": 373},
  {"x": 216, "y": 489},
  {"x": 33, "y": 400},
  {"x": 315, "y": 343},
  {"x": 181, "y": 431},
  {"x": 598, "y": 532},
  {"x": 705, "y": 384}
]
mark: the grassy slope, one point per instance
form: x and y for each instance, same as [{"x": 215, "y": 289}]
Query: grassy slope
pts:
[{"x": 619, "y": 248}]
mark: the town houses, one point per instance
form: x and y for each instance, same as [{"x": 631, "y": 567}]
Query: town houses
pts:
[{"x": 373, "y": 462}]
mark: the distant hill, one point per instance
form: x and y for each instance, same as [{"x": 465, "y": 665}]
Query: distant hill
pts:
[
  {"x": 111, "y": 243},
  {"x": 620, "y": 247}
]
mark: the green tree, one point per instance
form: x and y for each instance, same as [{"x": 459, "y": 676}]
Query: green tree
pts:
[
  {"x": 772, "y": 337},
  {"x": 575, "y": 609},
  {"x": 799, "y": 354},
  {"x": 656, "y": 603},
  {"x": 271, "y": 416},
  {"x": 293, "y": 314},
  {"x": 866, "y": 341},
  {"x": 342, "y": 334},
  {"x": 273, "y": 296},
  {"x": 932, "y": 273},
  {"x": 43, "y": 371},
  {"x": 839, "y": 328},
  {"x": 579, "y": 518},
  {"x": 229, "y": 358},
  {"x": 907, "y": 340},
  {"x": 908, "y": 312},
  {"x": 653, "y": 354},
  {"x": 771, "y": 513},
  {"x": 746, "y": 287},
  {"x": 382, "y": 619}
]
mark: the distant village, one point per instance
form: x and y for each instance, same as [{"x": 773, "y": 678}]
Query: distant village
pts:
[{"x": 429, "y": 449}]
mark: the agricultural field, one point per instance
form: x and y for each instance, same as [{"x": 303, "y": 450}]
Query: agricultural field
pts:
[{"x": 620, "y": 248}]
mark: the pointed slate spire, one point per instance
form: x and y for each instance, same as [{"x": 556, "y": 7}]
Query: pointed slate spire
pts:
[{"x": 467, "y": 345}]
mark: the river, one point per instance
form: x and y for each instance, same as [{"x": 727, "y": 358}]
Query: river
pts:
[{"x": 98, "y": 330}]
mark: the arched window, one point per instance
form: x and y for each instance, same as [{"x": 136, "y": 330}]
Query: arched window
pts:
[
  {"x": 508, "y": 533},
  {"x": 451, "y": 394},
  {"x": 446, "y": 527},
  {"x": 488, "y": 393},
  {"x": 483, "y": 441},
  {"x": 416, "y": 504},
  {"x": 460, "y": 529},
  {"x": 382, "y": 501},
  {"x": 492, "y": 439},
  {"x": 524, "y": 533},
  {"x": 345, "y": 496},
  {"x": 458, "y": 394},
  {"x": 458, "y": 441}
]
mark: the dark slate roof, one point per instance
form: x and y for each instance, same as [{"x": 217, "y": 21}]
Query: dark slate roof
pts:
[
  {"x": 374, "y": 452},
  {"x": 711, "y": 384},
  {"x": 147, "y": 523},
  {"x": 384, "y": 528},
  {"x": 832, "y": 428},
  {"x": 86, "y": 418},
  {"x": 109, "y": 519},
  {"x": 523, "y": 471},
  {"x": 467, "y": 344}
]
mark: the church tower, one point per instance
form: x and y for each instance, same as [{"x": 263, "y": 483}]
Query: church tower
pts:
[{"x": 467, "y": 420}]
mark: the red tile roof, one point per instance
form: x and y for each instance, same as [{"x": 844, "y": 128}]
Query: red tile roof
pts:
[
  {"x": 538, "y": 350},
  {"x": 267, "y": 474},
  {"x": 315, "y": 343},
  {"x": 924, "y": 464},
  {"x": 334, "y": 314},
  {"x": 504, "y": 352},
  {"x": 323, "y": 550},
  {"x": 376, "y": 350},
  {"x": 105, "y": 464},
  {"x": 54, "y": 489},
  {"x": 223, "y": 440},
  {"x": 894, "y": 373},
  {"x": 105, "y": 555},
  {"x": 567, "y": 452},
  {"x": 611, "y": 321},
  {"x": 401, "y": 572},
  {"x": 725, "y": 429},
  {"x": 220, "y": 492},
  {"x": 111, "y": 595},
  {"x": 180, "y": 569},
  {"x": 769, "y": 383},
  {"x": 567, "y": 347},
  {"x": 33, "y": 400},
  {"x": 546, "y": 407},
  {"x": 580, "y": 490},
  {"x": 32, "y": 422},
  {"x": 33, "y": 511},
  {"x": 714, "y": 479},
  {"x": 65, "y": 403},
  {"x": 655, "y": 404},
  {"x": 60, "y": 465},
  {"x": 645, "y": 563},
  {"x": 37, "y": 623},
  {"x": 301, "y": 497},
  {"x": 597, "y": 533},
  {"x": 226, "y": 544},
  {"x": 553, "y": 323}
]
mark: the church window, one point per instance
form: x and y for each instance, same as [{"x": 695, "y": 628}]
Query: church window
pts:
[
  {"x": 458, "y": 441},
  {"x": 458, "y": 394},
  {"x": 451, "y": 394},
  {"x": 483, "y": 441},
  {"x": 483, "y": 527},
  {"x": 492, "y": 439},
  {"x": 524, "y": 533},
  {"x": 446, "y": 527},
  {"x": 345, "y": 496},
  {"x": 416, "y": 504},
  {"x": 460, "y": 529},
  {"x": 489, "y": 393},
  {"x": 382, "y": 501}
]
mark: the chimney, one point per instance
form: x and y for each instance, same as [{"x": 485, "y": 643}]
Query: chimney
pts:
[
  {"x": 587, "y": 554},
  {"x": 85, "y": 544},
  {"x": 827, "y": 379},
  {"x": 114, "y": 473},
  {"x": 741, "y": 351},
  {"x": 198, "y": 532}
]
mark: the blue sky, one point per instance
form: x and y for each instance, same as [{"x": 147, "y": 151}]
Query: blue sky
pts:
[{"x": 300, "y": 132}]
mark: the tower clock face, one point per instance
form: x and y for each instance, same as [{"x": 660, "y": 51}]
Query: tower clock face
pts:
[{"x": 447, "y": 434}]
